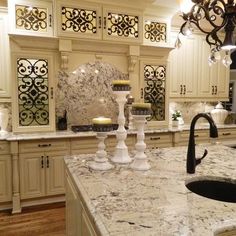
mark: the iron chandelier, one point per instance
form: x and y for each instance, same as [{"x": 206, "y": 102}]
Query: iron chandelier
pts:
[{"x": 217, "y": 20}]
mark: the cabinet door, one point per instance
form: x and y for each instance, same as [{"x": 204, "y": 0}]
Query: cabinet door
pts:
[
  {"x": 5, "y": 55},
  {"x": 122, "y": 24},
  {"x": 32, "y": 175},
  {"x": 55, "y": 178},
  {"x": 5, "y": 178},
  {"x": 87, "y": 228},
  {"x": 31, "y": 17},
  {"x": 79, "y": 19},
  {"x": 33, "y": 100},
  {"x": 155, "y": 89},
  {"x": 184, "y": 69},
  {"x": 73, "y": 210}
]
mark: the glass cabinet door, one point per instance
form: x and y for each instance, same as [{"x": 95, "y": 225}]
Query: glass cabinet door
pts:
[
  {"x": 34, "y": 98},
  {"x": 30, "y": 17},
  {"x": 79, "y": 20},
  {"x": 154, "y": 90}
]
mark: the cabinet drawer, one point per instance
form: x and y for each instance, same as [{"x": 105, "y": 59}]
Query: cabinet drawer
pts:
[
  {"x": 43, "y": 145},
  {"x": 158, "y": 140},
  {"x": 4, "y": 147},
  {"x": 226, "y": 134}
]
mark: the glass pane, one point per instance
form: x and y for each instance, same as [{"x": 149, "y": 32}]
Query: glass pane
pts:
[
  {"x": 78, "y": 20},
  {"x": 31, "y": 18},
  {"x": 155, "y": 31},
  {"x": 33, "y": 100},
  {"x": 154, "y": 90},
  {"x": 122, "y": 25}
]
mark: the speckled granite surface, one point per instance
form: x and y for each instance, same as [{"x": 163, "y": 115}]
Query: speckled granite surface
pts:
[{"x": 156, "y": 202}]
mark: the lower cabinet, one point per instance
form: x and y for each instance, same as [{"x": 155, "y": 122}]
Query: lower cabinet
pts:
[
  {"x": 5, "y": 177},
  {"x": 42, "y": 171},
  {"x": 78, "y": 222}
]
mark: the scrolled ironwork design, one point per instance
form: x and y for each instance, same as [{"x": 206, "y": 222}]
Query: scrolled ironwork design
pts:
[
  {"x": 154, "y": 90},
  {"x": 33, "y": 98},
  {"x": 78, "y": 20},
  {"x": 123, "y": 25},
  {"x": 155, "y": 31},
  {"x": 31, "y": 18}
]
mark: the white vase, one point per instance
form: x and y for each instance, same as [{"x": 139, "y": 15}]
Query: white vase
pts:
[
  {"x": 219, "y": 114},
  {"x": 4, "y": 115},
  {"x": 175, "y": 123}
]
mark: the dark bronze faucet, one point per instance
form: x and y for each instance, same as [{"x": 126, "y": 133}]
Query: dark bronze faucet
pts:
[{"x": 191, "y": 159}]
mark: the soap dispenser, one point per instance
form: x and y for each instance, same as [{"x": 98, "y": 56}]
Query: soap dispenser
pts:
[{"x": 219, "y": 114}]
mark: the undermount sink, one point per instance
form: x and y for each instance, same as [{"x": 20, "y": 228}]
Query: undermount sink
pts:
[{"x": 220, "y": 189}]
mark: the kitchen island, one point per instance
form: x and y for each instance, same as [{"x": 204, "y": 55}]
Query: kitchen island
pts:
[{"x": 154, "y": 202}]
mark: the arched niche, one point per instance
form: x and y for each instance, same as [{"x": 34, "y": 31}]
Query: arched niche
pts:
[{"x": 86, "y": 92}]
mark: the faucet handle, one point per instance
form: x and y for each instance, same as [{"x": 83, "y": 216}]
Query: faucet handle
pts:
[{"x": 198, "y": 161}]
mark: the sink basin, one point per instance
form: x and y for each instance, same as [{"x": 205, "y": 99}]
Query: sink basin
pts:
[{"x": 220, "y": 189}]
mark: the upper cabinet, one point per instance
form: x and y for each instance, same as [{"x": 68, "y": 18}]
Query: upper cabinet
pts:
[
  {"x": 96, "y": 21},
  {"x": 29, "y": 17},
  {"x": 191, "y": 77},
  {"x": 5, "y": 92}
]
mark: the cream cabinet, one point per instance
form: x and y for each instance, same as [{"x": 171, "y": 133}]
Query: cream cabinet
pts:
[
  {"x": 184, "y": 66},
  {"x": 5, "y": 172},
  {"x": 213, "y": 80},
  {"x": 5, "y": 91},
  {"x": 181, "y": 138},
  {"x": 96, "y": 21},
  {"x": 85, "y": 145},
  {"x": 78, "y": 222},
  {"x": 42, "y": 167},
  {"x": 226, "y": 134},
  {"x": 191, "y": 77},
  {"x": 158, "y": 140},
  {"x": 33, "y": 84},
  {"x": 30, "y": 17}
]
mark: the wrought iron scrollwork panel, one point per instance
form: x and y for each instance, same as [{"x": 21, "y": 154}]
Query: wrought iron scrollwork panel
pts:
[
  {"x": 79, "y": 20},
  {"x": 155, "y": 31},
  {"x": 31, "y": 18},
  {"x": 154, "y": 90},
  {"x": 33, "y": 98},
  {"x": 123, "y": 25}
]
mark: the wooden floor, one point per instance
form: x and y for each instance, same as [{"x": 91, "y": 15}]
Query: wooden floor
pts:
[{"x": 44, "y": 220}]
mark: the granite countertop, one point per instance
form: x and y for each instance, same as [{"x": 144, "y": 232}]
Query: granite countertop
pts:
[
  {"x": 70, "y": 134},
  {"x": 156, "y": 202}
]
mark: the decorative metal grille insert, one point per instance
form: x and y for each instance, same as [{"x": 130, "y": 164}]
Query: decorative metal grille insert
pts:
[
  {"x": 122, "y": 25},
  {"x": 31, "y": 18},
  {"x": 154, "y": 90},
  {"x": 155, "y": 31},
  {"x": 78, "y": 20},
  {"x": 33, "y": 100}
]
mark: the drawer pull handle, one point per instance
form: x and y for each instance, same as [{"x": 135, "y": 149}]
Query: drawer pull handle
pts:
[
  {"x": 104, "y": 22},
  {"x": 99, "y": 22},
  {"x": 42, "y": 162},
  {"x": 155, "y": 138},
  {"x": 45, "y": 145},
  {"x": 196, "y": 136},
  {"x": 226, "y": 134},
  {"x": 47, "y": 162}
]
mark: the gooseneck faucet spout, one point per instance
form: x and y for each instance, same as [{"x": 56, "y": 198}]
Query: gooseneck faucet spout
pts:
[{"x": 192, "y": 162}]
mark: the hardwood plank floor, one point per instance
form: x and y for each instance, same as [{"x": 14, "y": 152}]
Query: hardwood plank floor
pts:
[{"x": 43, "y": 220}]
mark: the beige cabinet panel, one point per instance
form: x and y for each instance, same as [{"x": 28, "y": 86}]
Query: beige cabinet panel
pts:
[
  {"x": 73, "y": 210},
  {"x": 32, "y": 175},
  {"x": 29, "y": 17},
  {"x": 5, "y": 178},
  {"x": 87, "y": 228},
  {"x": 5, "y": 91},
  {"x": 55, "y": 178}
]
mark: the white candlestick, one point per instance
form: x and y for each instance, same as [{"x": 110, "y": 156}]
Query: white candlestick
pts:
[
  {"x": 121, "y": 152},
  {"x": 100, "y": 161},
  {"x": 140, "y": 159}
]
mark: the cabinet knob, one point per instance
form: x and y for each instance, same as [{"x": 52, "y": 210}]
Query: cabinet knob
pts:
[
  {"x": 184, "y": 89},
  {"x": 141, "y": 93},
  {"x": 50, "y": 20},
  {"x": 99, "y": 22},
  {"x": 215, "y": 90},
  {"x": 42, "y": 162},
  {"x": 212, "y": 90},
  {"x": 47, "y": 161},
  {"x": 104, "y": 22}
]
